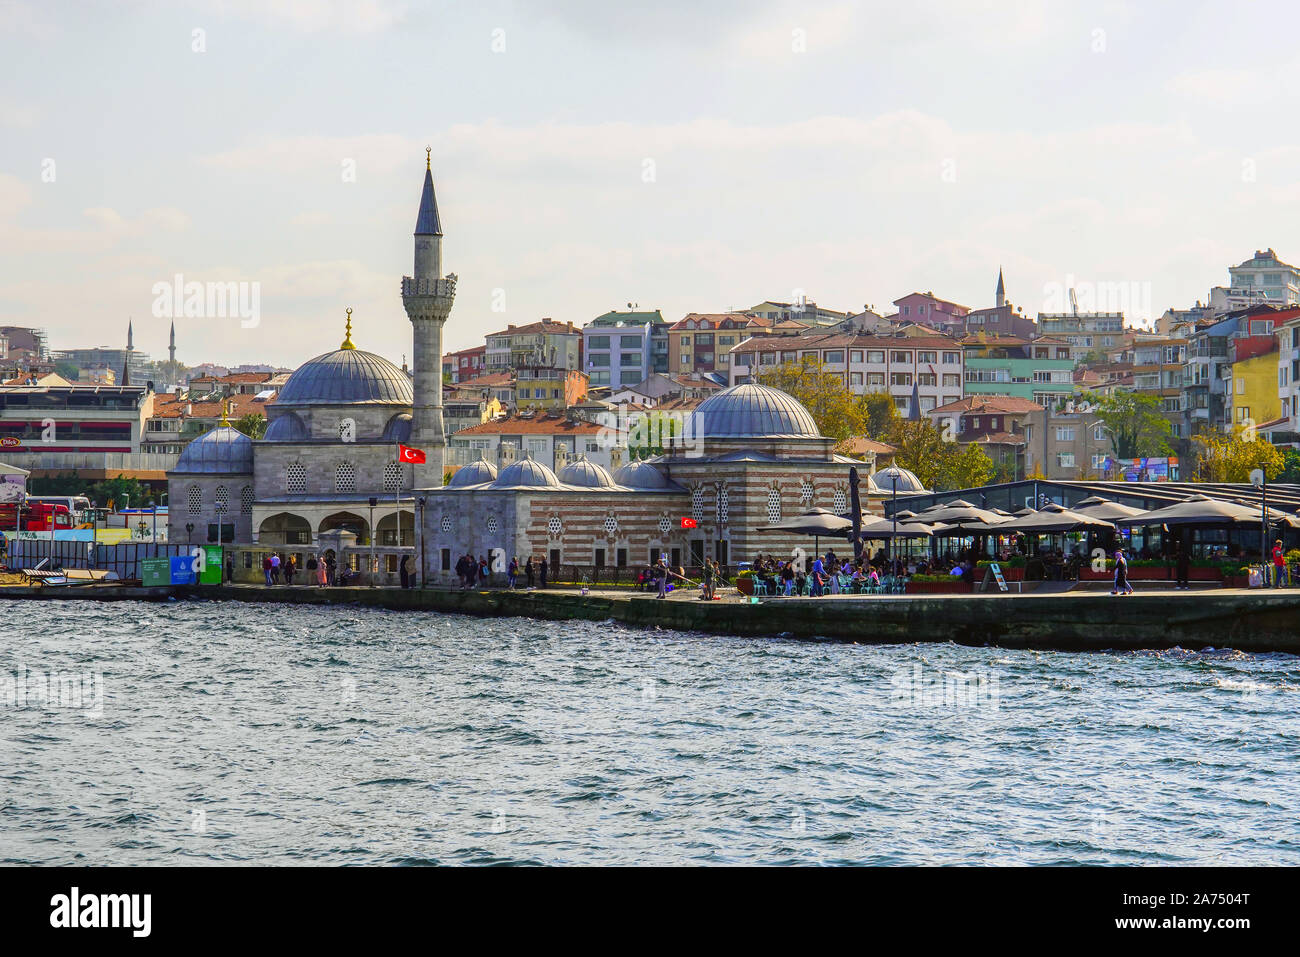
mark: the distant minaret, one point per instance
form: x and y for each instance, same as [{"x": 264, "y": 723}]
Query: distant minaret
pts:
[
  {"x": 130, "y": 347},
  {"x": 171, "y": 346},
  {"x": 1002, "y": 291},
  {"x": 428, "y": 296}
]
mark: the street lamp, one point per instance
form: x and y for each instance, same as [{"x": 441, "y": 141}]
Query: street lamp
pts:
[
  {"x": 419, "y": 532},
  {"x": 373, "y": 502},
  {"x": 189, "y": 532}
]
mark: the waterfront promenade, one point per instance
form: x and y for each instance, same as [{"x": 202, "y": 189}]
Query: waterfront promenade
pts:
[{"x": 1248, "y": 620}]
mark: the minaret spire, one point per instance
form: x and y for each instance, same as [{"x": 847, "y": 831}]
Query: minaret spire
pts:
[
  {"x": 1001, "y": 295},
  {"x": 171, "y": 345},
  {"x": 130, "y": 347},
  {"x": 428, "y": 296}
]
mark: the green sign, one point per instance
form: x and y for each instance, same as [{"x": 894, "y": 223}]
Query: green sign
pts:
[
  {"x": 156, "y": 571},
  {"x": 211, "y": 573}
]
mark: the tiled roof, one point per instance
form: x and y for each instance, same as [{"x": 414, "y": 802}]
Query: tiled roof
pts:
[
  {"x": 858, "y": 445},
  {"x": 995, "y": 438},
  {"x": 991, "y": 403},
  {"x": 713, "y": 320},
  {"x": 844, "y": 341},
  {"x": 544, "y": 326},
  {"x": 169, "y": 406}
]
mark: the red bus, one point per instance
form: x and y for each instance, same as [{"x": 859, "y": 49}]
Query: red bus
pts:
[{"x": 36, "y": 517}]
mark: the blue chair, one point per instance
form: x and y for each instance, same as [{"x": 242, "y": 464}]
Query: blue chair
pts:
[{"x": 760, "y": 586}]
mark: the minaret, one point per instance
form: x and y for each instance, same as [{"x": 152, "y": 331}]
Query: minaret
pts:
[
  {"x": 1001, "y": 294},
  {"x": 171, "y": 346},
  {"x": 428, "y": 296},
  {"x": 130, "y": 347}
]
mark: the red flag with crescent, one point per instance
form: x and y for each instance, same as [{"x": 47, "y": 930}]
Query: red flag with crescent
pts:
[{"x": 407, "y": 454}]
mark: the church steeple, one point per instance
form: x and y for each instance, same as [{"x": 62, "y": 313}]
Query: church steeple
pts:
[{"x": 1001, "y": 295}]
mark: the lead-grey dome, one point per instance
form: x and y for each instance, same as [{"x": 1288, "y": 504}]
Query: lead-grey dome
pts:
[
  {"x": 347, "y": 377},
  {"x": 287, "y": 427},
  {"x": 398, "y": 429},
  {"x": 640, "y": 475},
  {"x": 223, "y": 451},
  {"x": 750, "y": 411},
  {"x": 526, "y": 473},
  {"x": 479, "y": 472},
  {"x": 586, "y": 473},
  {"x": 897, "y": 479}
]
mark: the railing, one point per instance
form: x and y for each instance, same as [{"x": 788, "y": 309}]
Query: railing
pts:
[{"x": 110, "y": 461}]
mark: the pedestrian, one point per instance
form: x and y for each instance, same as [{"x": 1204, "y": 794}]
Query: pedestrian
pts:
[
  {"x": 1279, "y": 564},
  {"x": 530, "y": 571},
  {"x": 311, "y": 568},
  {"x": 405, "y": 572},
  {"x": 482, "y": 571},
  {"x": 331, "y": 570},
  {"x": 543, "y": 570},
  {"x": 818, "y": 576},
  {"x": 513, "y": 572},
  {"x": 661, "y": 579},
  {"x": 266, "y": 569},
  {"x": 706, "y": 586},
  {"x": 1183, "y": 563},
  {"x": 320, "y": 573},
  {"x": 275, "y": 567},
  {"x": 1122, "y": 586},
  {"x": 471, "y": 570}
]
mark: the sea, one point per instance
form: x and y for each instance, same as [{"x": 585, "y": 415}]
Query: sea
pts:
[{"x": 222, "y": 733}]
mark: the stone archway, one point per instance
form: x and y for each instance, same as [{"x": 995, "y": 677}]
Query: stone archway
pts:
[
  {"x": 284, "y": 528},
  {"x": 349, "y": 521}
]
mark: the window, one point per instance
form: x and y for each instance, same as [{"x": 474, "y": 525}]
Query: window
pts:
[
  {"x": 974, "y": 422},
  {"x": 598, "y": 342},
  {"x": 295, "y": 478},
  {"x": 834, "y": 356},
  {"x": 704, "y": 339},
  {"x": 1241, "y": 385},
  {"x": 345, "y": 477},
  {"x": 927, "y": 378},
  {"x": 950, "y": 379},
  {"x": 195, "y": 499},
  {"x": 875, "y": 355},
  {"x": 600, "y": 361},
  {"x": 1099, "y": 460},
  {"x": 686, "y": 340},
  {"x": 1065, "y": 433},
  {"x": 221, "y": 500},
  {"x": 726, "y": 340},
  {"x": 841, "y": 500},
  {"x": 855, "y": 355},
  {"x": 951, "y": 358},
  {"x": 246, "y": 500},
  {"x": 554, "y": 526},
  {"x": 930, "y": 357},
  {"x": 805, "y": 493},
  {"x": 788, "y": 357},
  {"x": 1065, "y": 460},
  {"x": 392, "y": 477},
  {"x": 876, "y": 379},
  {"x": 900, "y": 378},
  {"x": 724, "y": 504},
  {"x": 855, "y": 378},
  {"x": 629, "y": 342},
  {"x": 697, "y": 504},
  {"x": 900, "y": 357},
  {"x": 773, "y": 506}
]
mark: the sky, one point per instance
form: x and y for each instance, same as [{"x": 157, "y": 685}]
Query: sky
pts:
[{"x": 685, "y": 156}]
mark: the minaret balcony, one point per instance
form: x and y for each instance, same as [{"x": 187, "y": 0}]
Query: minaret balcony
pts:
[{"x": 443, "y": 288}]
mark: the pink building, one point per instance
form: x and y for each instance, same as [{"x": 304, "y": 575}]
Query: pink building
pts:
[{"x": 929, "y": 310}]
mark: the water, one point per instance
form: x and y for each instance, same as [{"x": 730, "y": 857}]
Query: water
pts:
[{"x": 293, "y": 735}]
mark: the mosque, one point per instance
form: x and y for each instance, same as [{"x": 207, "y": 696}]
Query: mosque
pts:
[{"x": 326, "y": 477}]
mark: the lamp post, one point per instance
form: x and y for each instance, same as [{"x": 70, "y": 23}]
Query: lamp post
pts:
[
  {"x": 373, "y": 502},
  {"x": 189, "y": 532},
  {"x": 419, "y": 534}
]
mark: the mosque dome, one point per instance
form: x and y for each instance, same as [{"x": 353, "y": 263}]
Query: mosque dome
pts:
[
  {"x": 479, "y": 472},
  {"x": 347, "y": 377},
  {"x": 223, "y": 450},
  {"x": 286, "y": 427},
  {"x": 750, "y": 411},
  {"x": 640, "y": 475},
  {"x": 895, "y": 479},
  {"x": 398, "y": 428},
  {"x": 526, "y": 473},
  {"x": 586, "y": 473}
]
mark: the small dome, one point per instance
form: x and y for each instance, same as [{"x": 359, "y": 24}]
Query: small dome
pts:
[
  {"x": 640, "y": 475},
  {"x": 895, "y": 479},
  {"x": 287, "y": 427},
  {"x": 526, "y": 473},
  {"x": 476, "y": 473},
  {"x": 346, "y": 377},
  {"x": 582, "y": 471},
  {"x": 751, "y": 411},
  {"x": 398, "y": 428},
  {"x": 222, "y": 451}
]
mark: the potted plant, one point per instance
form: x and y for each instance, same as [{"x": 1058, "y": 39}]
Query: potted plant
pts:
[{"x": 936, "y": 585}]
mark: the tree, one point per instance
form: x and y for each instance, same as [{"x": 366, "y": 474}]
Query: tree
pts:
[
  {"x": 651, "y": 434},
  {"x": 1290, "y": 466},
  {"x": 878, "y": 413},
  {"x": 969, "y": 467},
  {"x": 921, "y": 450},
  {"x": 68, "y": 370},
  {"x": 252, "y": 425},
  {"x": 1135, "y": 424},
  {"x": 822, "y": 393},
  {"x": 1231, "y": 458}
]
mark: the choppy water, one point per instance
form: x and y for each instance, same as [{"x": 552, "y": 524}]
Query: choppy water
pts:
[{"x": 286, "y": 734}]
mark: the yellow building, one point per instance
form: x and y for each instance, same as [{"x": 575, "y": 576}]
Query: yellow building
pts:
[{"x": 1252, "y": 390}]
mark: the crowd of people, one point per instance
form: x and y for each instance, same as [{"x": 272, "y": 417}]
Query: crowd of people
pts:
[
  {"x": 476, "y": 572},
  {"x": 323, "y": 572}
]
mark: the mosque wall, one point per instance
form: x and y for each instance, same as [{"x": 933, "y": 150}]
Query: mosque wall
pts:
[
  {"x": 361, "y": 468},
  {"x": 203, "y": 500}
]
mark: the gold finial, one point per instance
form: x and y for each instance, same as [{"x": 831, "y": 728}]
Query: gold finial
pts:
[
  {"x": 428, "y": 157},
  {"x": 347, "y": 339},
  {"x": 225, "y": 412}
]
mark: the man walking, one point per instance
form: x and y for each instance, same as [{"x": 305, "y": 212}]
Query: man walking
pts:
[{"x": 1279, "y": 564}]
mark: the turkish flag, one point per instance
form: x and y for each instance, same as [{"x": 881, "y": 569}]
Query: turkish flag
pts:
[{"x": 407, "y": 454}]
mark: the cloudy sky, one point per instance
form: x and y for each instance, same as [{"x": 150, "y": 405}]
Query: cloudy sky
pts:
[{"x": 686, "y": 155}]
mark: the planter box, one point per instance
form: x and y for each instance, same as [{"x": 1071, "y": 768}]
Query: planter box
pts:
[
  {"x": 957, "y": 587},
  {"x": 1236, "y": 581},
  {"x": 1151, "y": 573},
  {"x": 745, "y": 585}
]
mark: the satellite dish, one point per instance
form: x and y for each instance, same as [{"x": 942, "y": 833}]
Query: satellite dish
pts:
[{"x": 1257, "y": 477}]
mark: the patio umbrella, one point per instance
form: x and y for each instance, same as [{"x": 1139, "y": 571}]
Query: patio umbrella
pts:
[
  {"x": 1055, "y": 518},
  {"x": 1099, "y": 507},
  {"x": 1199, "y": 510},
  {"x": 961, "y": 514},
  {"x": 879, "y": 529},
  {"x": 816, "y": 522}
]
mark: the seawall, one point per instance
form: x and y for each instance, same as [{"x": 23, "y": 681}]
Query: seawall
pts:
[{"x": 1248, "y": 621}]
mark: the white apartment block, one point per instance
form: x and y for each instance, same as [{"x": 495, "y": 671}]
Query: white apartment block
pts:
[{"x": 933, "y": 365}]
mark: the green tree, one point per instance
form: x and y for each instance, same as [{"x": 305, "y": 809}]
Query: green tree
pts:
[
  {"x": 1135, "y": 424},
  {"x": 969, "y": 467},
  {"x": 252, "y": 425},
  {"x": 1231, "y": 458},
  {"x": 921, "y": 450},
  {"x": 650, "y": 434},
  {"x": 823, "y": 394},
  {"x": 67, "y": 370},
  {"x": 879, "y": 415}
]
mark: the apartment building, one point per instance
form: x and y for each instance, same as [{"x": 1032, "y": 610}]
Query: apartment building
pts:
[
  {"x": 1263, "y": 279},
  {"x": 624, "y": 348},
  {"x": 929, "y": 310},
  {"x": 466, "y": 364},
  {"x": 892, "y": 364},
  {"x": 1040, "y": 370},
  {"x": 702, "y": 342},
  {"x": 1086, "y": 332},
  {"x": 807, "y": 313},
  {"x": 73, "y": 418},
  {"x": 557, "y": 345}
]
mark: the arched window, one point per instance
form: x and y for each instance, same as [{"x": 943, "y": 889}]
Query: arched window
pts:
[
  {"x": 392, "y": 477},
  {"x": 246, "y": 500},
  {"x": 773, "y": 506},
  {"x": 221, "y": 499},
  {"x": 295, "y": 478},
  {"x": 194, "y": 500},
  {"x": 724, "y": 504},
  {"x": 345, "y": 477}
]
